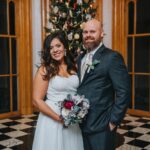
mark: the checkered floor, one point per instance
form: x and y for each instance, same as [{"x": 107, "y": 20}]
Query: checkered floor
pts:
[{"x": 17, "y": 133}]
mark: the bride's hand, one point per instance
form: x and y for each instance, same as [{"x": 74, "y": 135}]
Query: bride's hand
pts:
[{"x": 59, "y": 119}]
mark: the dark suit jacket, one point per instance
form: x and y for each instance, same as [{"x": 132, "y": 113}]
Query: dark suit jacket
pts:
[{"x": 107, "y": 87}]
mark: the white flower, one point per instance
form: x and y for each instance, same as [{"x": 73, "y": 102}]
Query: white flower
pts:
[
  {"x": 70, "y": 13},
  {"x": 65, "y": 112},
  {"x": 55, "y": 9},
  {"x": 81, "y": 114},
  {"x": 49, "y": 25},
  {"x": 65, "y": 26},
  {"x": 70, "y": 36},
  {"x": 64, "y": 15},
  {"x": 88, "y": 16},
  {"x": 79, "y": 1}
]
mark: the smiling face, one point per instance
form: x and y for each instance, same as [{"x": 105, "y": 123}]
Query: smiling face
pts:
[
  {"x": 92, "y": 34},
  {"x": 57, "y": 50}
]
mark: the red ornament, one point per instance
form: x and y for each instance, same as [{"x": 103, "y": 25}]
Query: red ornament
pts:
[{"x": 75, "y": 6}]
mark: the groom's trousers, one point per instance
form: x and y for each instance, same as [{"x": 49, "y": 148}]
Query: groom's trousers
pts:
[{"x": 104, "y": 140}]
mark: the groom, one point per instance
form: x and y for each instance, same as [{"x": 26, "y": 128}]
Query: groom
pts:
[{"x": 105, "y": 82}]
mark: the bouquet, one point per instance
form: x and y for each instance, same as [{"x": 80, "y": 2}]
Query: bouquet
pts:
[{"x": 73, "y": 109}]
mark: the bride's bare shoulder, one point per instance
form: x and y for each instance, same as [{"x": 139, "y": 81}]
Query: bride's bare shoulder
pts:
[{"x": 41, "y": 70}]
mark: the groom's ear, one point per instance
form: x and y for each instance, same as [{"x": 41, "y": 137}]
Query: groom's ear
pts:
[{"x": 102, "y": 33}]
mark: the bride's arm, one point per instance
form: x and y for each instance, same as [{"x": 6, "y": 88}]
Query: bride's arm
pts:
[{"x": 40, "y": 87}]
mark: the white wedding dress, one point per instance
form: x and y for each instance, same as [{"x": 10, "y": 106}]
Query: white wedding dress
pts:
[{"x": 50, "y": 134}]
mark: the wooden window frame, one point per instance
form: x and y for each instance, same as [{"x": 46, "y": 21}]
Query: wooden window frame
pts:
[
  {"x": 24, "y": 46},
  {"x": 119, "y": 39}
]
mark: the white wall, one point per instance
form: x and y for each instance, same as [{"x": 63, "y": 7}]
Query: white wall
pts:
[
  {"x": 107, "y": 22},
  {"x": 36, "y": 33}
]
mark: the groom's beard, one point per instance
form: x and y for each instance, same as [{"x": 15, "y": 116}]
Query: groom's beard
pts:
[{"x": 90, "y": 43}]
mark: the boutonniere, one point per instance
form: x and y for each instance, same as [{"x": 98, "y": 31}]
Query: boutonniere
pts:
[{"x": 91, "y": 65}]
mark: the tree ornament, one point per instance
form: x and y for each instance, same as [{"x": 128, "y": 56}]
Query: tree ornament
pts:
[
  {"x": 75, "y": 6},
  {"x": 67, "y": 4},
  {"x": 70, "y": 36},
  {"x": 55, "y": 9},
  {"x": 79, "y": 2},
  {"x": 86, "y": 1},
  {"x": 76, "y": 36},
  {"x": 88, "y": 16},
  {"x": 64, "y": 15}
]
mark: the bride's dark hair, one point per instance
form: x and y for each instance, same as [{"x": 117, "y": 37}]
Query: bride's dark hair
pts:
[{"x": 51, "y": 65}]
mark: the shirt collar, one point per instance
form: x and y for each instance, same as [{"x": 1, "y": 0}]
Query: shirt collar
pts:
[{"x": 94, "y": 51}]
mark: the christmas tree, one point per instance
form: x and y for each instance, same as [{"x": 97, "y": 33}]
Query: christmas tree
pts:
[{"x": 68, "y": 15}]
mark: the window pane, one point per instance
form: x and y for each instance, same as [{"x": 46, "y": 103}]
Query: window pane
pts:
[
  {"x": 14, "y": 56},
  {"x": 143, "y": 16},
  {"x": 129, "y": 52},
  {"x": 4, "y": 56},
  {"x": 15, "y": 96},
  {"x": 12, "y": 17},
  {"x": 4, "y": 94},
  {"x": 131, "y": 18},
  {"x": 130, "y": 104},
  {"x": 3, "y": 17},
  {"x": 142, "y": 54},
  {"x": 142, "y": 94}
]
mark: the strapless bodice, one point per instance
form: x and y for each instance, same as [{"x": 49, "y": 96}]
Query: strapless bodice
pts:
[{"x": 60, "y": 86}]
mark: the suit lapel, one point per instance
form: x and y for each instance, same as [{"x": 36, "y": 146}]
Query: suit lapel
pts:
[
  {"x": 96, "y": 56},
  {"x": 98, "y": 53}
]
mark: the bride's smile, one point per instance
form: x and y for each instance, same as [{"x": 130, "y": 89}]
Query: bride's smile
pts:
[{"x": 57, "y": 50}]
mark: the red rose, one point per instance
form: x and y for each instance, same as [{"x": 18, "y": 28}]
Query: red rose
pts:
[{"x": 68, "y": 104}]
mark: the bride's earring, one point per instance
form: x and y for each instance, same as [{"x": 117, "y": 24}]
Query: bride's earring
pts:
[{"x": 64, "y": 52}]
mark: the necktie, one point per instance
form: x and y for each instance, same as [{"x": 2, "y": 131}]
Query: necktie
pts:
[{"x": 87, "y": 60}]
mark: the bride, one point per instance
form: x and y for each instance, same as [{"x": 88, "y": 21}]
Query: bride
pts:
[{"x": 55, "y": 78}]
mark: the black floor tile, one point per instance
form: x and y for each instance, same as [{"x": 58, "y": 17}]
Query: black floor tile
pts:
[
  {"x": 29, "y": 130},
  {"x": 148, "y": 133},
  {"x": 21, "y": 147},
  {"x": 146, "y": 126},
  {"x": 119, "y": 140},
  {"x": 11, "y": 123},
  {"x": 125, "y": 121},
  {"x": 5, "y": 130},
  {"x": 36, "y": 113},
  {"x": 2, "y": 147},
  {"x": 139, "y": 143},
  {"x": 28, "y": 141},
  {"x": 127, "y": 127},
  {"x": 34, "y": 117},
  {"x": 142, "y": 120},
  {"x": 4, "y": 137},
  {"x": 33, "y": 123},
  {"x": 132, "y": 134}
]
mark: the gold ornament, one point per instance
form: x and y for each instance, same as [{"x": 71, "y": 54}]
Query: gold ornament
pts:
[
  {"x": 76, "y": 36},
  {"x": 93, "y": 5},
  {"x": 86, "y": 1}
]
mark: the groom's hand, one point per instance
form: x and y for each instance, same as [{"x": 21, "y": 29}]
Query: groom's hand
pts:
[{"x": 112, "y": 126}]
